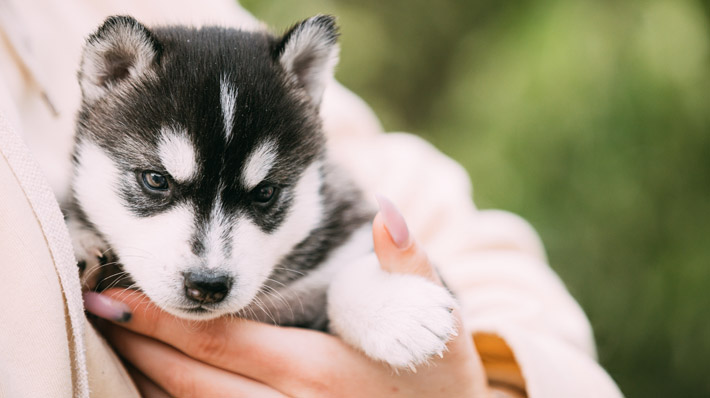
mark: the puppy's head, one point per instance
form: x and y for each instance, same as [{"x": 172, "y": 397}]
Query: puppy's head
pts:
[{"x": 198, "y": 154}]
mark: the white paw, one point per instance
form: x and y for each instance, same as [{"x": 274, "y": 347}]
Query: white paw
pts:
[
  {"x": 400, "y": 319},
  {"x": 90, "y": 252}
]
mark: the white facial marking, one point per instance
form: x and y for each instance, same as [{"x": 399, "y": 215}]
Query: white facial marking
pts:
[
  {"x": 228, "y": 99},
  {"x": 258, "y": 164},
  {"x": 154, "y": 250},
  {"x": 178, "y": 155},
  {"x": 255, "y": 253},
  {"x": 214, "y": 237}
]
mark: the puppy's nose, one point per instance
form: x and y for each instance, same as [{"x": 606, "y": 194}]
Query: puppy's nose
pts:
[{"x": 207, "y": 287}]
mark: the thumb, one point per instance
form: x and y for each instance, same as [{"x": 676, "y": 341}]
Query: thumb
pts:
[{"x": 396, "y": 249}]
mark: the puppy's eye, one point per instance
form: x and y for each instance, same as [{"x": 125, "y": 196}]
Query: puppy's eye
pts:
[
  {"x": 264, "y": 194},
  {"x": 155, "y": 181}
]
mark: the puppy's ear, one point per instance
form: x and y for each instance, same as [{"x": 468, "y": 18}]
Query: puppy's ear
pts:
[
  {"x": 120, "y": 50},
  {"x": 309, "y": 51}
]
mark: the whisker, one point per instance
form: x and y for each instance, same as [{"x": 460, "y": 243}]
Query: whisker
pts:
[
  {"x": 290, "y": 270},
  {"x": 259, "y": 304},
  {"x": 287, "y": 302}
]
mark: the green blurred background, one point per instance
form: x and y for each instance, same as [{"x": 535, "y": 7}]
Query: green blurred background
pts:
[{"x": 591, "y": 119}]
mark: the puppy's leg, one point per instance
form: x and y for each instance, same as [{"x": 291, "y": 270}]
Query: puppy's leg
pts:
[
  {"x": 396, "y": 318},
  {"x": 90, "y": 252}
]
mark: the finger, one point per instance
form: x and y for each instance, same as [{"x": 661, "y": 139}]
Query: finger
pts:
[
  {"x": 395, "y": 248},
  {"x": 277, "y": 356},
  {"x": 179, "y": 374},
  {"x": 146, "y": 387},
  {"x": 102, "y": 306}
]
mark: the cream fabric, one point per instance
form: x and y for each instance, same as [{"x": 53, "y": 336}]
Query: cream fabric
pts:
[
  {"x": 518, "y": 311},
  {"x": 36, "y": 349}
]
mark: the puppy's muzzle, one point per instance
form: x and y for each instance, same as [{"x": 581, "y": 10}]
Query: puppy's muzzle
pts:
[{"x": 207, "y": 287}]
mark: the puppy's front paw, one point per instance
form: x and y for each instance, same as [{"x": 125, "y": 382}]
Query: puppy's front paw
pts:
[
  {"x": 411, "y": 320},
  {"x": 90, "y": 252},
  {"x": 400, "y": 319}
]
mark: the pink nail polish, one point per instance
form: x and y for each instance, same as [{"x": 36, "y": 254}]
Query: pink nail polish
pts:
[
  {"x": 394, "y": 222},
  {"x": 106, "y": 308}
]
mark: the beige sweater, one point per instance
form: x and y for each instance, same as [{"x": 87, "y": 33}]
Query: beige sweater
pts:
[{"x": 531, "y": 334}]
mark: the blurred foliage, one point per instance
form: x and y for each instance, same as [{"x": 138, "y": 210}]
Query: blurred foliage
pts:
[{"x": 589, "y": 118}]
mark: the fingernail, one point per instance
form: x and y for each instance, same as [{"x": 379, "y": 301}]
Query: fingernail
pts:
[
  {"x": 104, "y": 307},
  {"x": 394, "y": 222}
]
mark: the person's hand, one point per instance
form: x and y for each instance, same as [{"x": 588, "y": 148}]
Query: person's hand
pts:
[{"x": 241, "y": 358}]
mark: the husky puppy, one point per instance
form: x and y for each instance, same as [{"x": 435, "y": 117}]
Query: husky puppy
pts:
[{"x": 200, "y": 165}]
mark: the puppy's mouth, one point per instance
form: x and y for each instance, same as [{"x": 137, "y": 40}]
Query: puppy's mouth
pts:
[{"x": 198, "y": 311}]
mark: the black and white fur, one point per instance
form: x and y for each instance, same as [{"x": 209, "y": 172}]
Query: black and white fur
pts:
[{"x": 221, "y": 114}]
